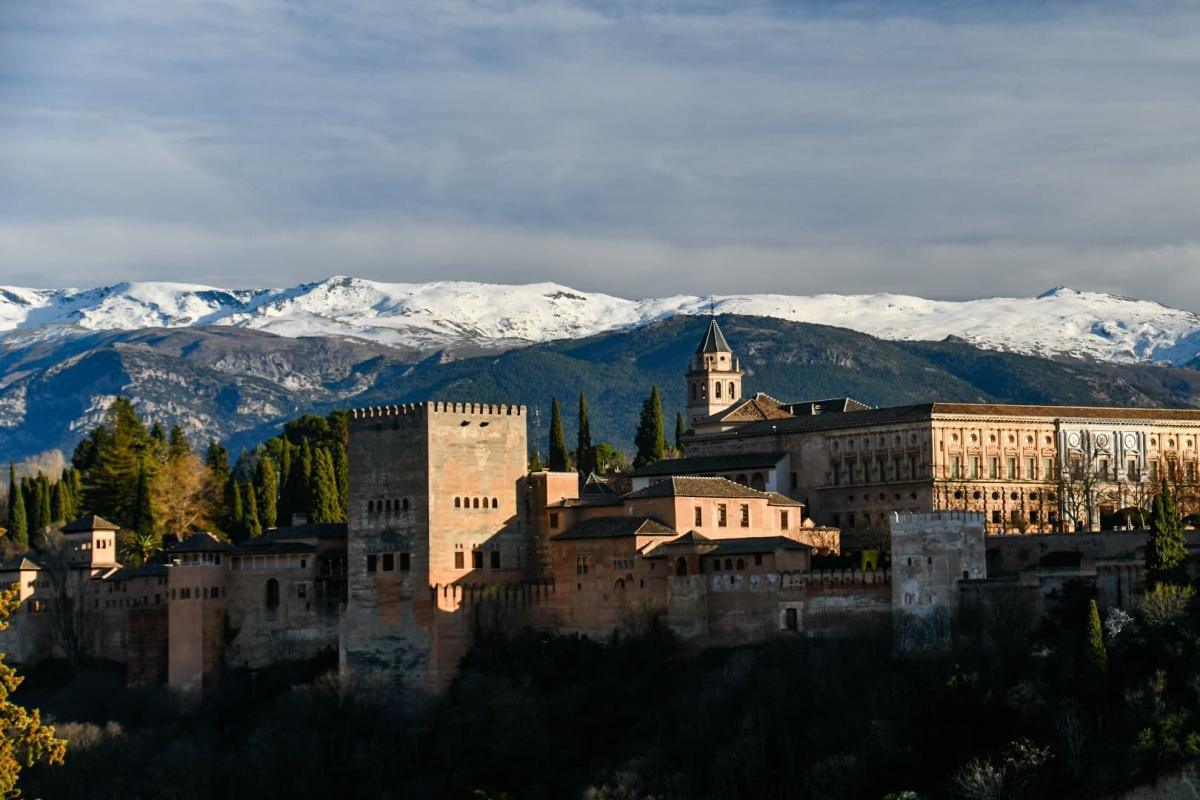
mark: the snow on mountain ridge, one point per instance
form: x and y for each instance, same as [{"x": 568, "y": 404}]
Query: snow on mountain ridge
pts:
[{"x": 443, "y": 314}]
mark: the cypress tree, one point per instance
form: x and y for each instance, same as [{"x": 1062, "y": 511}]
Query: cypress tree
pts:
[
  {"x": 39, "y": 513},
  {"x": 142, "y": 519},
  {"x": 237, "y": 512},
  {"x": 558, "y": 441},
  {"x": 585, "y": 453},
  {"x": 324, "y": 488},
  {"x": 341, "y": 475},
  {"x": 535, "y": 462},
  {"x": 1165, "y": 547},
  {"x": 250, "y": 523},
  {"x": 1097, "y": 655},
  {"x": 680, "y": 432},
  {"x": 77, "y": 505},
  {"x": 158, "y": 442},
  {"x": 285, "y": 461},
  {"x": 266, "y": 486},
  {"x": 59, "y": 505},
  {"x": 18, "y": 524},
  {"x": 300, "y": 500},
  {"x": 651, "y": 439}
]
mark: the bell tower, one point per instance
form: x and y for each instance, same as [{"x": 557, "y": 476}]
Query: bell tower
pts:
[{"x": 714, "y": 377}]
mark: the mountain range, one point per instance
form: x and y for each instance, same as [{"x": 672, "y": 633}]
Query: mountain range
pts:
[
  {"x": 235, "y": 365},
  {"x": 467, "y": 318}
]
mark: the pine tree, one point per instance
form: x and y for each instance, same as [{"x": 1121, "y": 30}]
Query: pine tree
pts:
[
  {"x": 323, "y": 488},
  {"x": 237, "y": 512},
  {"x": 1165, "y": 547},
  {"x": 250, "y": 523},
  {"x": 178, "y": 445},
  {"x": 558, "y": 441},
  {"x": 680, "y": 432},
  {"x": 18, "y": 523},
  {"x": 266, "y": 486},
  {"x": 585, "y": 454},
  {"x": 217, "y": 459},
  {"x": 651, "y": 438},
  {"x": 122, "y": 449},
  {"x": 1097, "y": 656}
]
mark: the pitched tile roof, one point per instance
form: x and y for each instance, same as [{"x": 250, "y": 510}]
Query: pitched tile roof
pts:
[
  {"x": 756, "y": 544},
  {"x": 833, "y": 405},
  {"x": 144, "y": 571},
  {"x": 714, "y": 340},
  {"x": 756, "y": 408},
  {"x": 89, "y": 522},
  {"x": 199, "y": 542},
  {"x": 28, "y": 561},
  {"x": 614, "y": 528},
  {"x": 777, "y": 499},
  {"x": 695, "y": 486},
  {"x": 698, "y": 465},
  {"x": 1073, "y": 412}
]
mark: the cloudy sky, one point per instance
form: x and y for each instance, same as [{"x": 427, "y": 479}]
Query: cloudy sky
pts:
[{"x": 945, "y": 149}]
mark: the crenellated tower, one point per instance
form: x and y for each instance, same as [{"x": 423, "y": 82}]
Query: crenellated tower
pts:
[{"x": 714, "y": 377}]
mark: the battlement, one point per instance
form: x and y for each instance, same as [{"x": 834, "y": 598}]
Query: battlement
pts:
[
  {"x": 420, "y": 410},
  {"x": 917, "y": 520},
  {"x": 522, "y": 593}
]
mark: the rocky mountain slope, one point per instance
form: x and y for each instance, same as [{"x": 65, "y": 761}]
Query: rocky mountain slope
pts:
[
  {"x": 240, "y": 385},
  {"x": 473, "y": 317}
]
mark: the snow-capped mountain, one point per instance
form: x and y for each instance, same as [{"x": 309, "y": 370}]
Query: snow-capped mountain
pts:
[{"x": 450, "y": 315}]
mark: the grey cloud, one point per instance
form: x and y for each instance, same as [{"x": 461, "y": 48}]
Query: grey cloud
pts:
[{"x": 634, "y": 151}]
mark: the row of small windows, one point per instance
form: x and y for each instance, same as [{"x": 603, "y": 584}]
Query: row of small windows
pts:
[
  {"x": 460, "y": 559},
  {"x": 723, "y": 516},
  {"x": 978, "y": 495},
  {"x": 387, "y": 562},
  {"x": 993, "y": 468},
  {"x": 387, "y": 506},
  {"x": 476, "y": 502},
  {"x": 198, "y": 593}
]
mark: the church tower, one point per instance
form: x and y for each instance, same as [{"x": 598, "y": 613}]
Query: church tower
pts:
[{"x": 714, "y": 377}]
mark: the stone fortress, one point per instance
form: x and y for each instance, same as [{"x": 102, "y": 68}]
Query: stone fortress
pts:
[{"x": 770, "y": 526}]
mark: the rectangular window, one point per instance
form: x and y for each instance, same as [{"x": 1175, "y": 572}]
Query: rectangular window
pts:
[
  {"x": 389, "y": 562},
  {"x": 783, "y": 520},
  {"x": 975, "y": 467},
  {"x": 1154, "y": 471},
  {"x": 993, "y": 467},
  {"x": 1016, "y": 516},
  {"x": 745, "y": 515},
  {"x": 1133, "y": 472},
  {"x": 553, "y": 519},
  {"x": 837, "y": 520},
  {"x": 912, "y": 466},
  {"x": 850, "y": 520},
  {"x": 459, "y": 560},
  {"x": 302, "y": 590},
  {"x": 495, "y": 559},
  {"x": 581, "y": 565},
  {"x": 955, "y": 467},
  {"x": 405, "y": 562},
  {"x": 837, "y": 474},
  {"x": 476, "y": 559},
  {"x": 1012, "y": 469},
  {"x": 896, "y": 468},
  {"x": 758, "y": 559},
  {"x": 996, "y": 517},
  {"x": 371, "y": 562},
  {"x": 721, "y": 520},
  {"x": 1030, "y": 469},
  {"x": 1047, "y": 468},
  {"x": 699, "y": 517},
  {"x": 1033, "y": 517}
]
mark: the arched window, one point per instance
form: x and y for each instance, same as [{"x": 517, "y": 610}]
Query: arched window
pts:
[
  {"x": 716, "y": 565},
  {"x": 404, "y": 504},
  {"x": 718, "y": 389},
  {"x": 272, "y": 593},
  {"x": 741, "y": 563},
  {"x": 729, "y": 565},
  {"x": 370, "y": 506},
  {"x": 495, "y": 503},
  {"x": 757, "y": 481},
  {"x": 458, "y": 502},
  {"x": 476, "y": 502},
  {"x": 732, "y": 393},
  {"x": 387, "y": 505},
  {"x": 791, "y": 620},
  {"x": 681, "y": 566},
  {"x": 620, "y": 583}
]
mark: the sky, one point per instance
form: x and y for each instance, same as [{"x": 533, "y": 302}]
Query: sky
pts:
[{"x": 949, "y": 150}]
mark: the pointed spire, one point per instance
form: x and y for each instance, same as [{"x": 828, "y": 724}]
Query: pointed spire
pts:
[{"x": 714, "y": 340}]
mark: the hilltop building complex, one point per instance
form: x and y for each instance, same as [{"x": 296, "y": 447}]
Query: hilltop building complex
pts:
[{"x": 745, "y": 538}]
